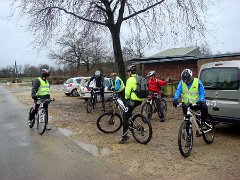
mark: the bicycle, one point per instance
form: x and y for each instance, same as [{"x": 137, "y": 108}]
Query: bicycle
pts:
[
  {"x": 41, "y": 116},
  {"x": 150, "y": 106},
  {"x": 205, "y": 128},
  {"x": 111, "y": 122},
  {"x": 92, "y": 101}
]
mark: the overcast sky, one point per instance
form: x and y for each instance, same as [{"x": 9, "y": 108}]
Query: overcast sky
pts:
[{"x": 16, "y": 45}]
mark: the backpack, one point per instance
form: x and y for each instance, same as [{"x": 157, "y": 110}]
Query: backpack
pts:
[{"x": 142, "y": 87}]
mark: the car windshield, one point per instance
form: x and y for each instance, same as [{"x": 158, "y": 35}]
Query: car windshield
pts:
[{"x": 220, "y": 78}]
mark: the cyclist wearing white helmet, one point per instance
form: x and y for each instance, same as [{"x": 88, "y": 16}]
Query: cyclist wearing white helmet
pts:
[
  {"x": 154, "y": 85},
  {"x": 40, "y": 89},
  {"x": 99, "y": 79},
  {"x": 191, "y": 91}
]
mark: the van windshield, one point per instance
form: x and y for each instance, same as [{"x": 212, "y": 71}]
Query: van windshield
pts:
[{"x": 220, "y": 78}]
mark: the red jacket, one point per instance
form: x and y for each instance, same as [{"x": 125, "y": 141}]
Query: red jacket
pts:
[{"x": 154, "y": 84}]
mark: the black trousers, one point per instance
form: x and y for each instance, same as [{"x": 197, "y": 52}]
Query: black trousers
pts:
[
  {"x": 159, "y": 107},
  {"x": 35, "y": 109},
  {"x": 203, "y": 108},
  {"x": 126, "y": 115}
]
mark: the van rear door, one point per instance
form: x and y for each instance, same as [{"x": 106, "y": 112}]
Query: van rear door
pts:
[{"x": 222, "y": 92}]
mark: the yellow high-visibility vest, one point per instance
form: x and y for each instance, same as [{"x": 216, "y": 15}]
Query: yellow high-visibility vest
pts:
[
  {"x": 190, "y": 95},
  {"x": 44, "y": 88}
]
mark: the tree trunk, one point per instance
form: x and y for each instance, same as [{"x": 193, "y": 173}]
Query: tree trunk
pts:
[{"x": 117, "y": 49}]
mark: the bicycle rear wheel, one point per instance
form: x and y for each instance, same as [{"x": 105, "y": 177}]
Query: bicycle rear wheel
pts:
[
  {"x": 185, "y": 139},
  {"x": 109, "y": 122},
  {"x": 147, "y": 111},
  {"x": 89, "y": 105},
  {"x": 164, "y": 106},
  {"x": 41, "y": 121},
  {"x": 141, "y": 129},
  {"x": 208, "y": 130},
  {"x": 32, "y": 121}
]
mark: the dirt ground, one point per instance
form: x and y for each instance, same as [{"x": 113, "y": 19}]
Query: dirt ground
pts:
[{"x": 160, "y": 158}]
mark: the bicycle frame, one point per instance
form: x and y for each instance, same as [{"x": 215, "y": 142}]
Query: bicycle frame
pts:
[{"x": 192, "y": 116}]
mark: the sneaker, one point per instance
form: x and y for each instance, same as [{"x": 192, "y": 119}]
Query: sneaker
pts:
[
  {"x": 48, "y": 128},
  {"x": 124, "y": 139},
  {"x": 162, "y": 118}
]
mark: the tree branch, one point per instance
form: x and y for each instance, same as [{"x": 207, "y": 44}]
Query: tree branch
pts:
[
  {"x": 77, "y": 16},
  {"x": 143, "y": 10}
]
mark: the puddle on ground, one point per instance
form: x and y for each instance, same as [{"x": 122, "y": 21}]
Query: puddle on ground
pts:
[
  {"x": 66, "y": 132},
  {"x": 94, "y": 150}
]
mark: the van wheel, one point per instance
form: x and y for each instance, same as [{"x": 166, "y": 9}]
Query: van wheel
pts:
[{"x": 74, "y": 93}]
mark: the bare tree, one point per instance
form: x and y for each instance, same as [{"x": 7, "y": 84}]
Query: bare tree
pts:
[
  {"x": 180, "y": 16},
  {"x": 79, "y": 48}
]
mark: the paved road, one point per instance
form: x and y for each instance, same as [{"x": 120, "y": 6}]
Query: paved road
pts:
[{"x": 26, "y": 155}]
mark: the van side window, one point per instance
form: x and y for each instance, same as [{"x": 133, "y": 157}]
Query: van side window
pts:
[{"x": 220, "y": 78}]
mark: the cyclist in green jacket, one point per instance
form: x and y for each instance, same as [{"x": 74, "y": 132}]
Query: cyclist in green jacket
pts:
[
  {"x": 131, "y": 99},
  {"x": 40, "y": 89}
]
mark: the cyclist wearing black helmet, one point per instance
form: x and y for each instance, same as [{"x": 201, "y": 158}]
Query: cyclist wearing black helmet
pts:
[
  {"x": 99, "y": 80},
  {"x": 191, "y": 91},
  {"x": 40, "y": 89},
  {"x": 131, "y": 100}
]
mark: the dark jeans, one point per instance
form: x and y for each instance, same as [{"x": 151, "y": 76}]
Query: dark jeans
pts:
[
  {"x": 203, "y": 108},
  {"x": 126, "y": 115}
]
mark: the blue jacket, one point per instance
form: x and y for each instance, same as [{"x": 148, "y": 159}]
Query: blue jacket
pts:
[{"x": 179, "y": 91}]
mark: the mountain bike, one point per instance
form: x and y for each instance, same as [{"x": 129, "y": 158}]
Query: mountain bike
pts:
[
  {"x": 205, "y": 128},
  {"x": 111, "y": 122},
  {"x": 150, "y": 106},
  {"x": 41, "y": 116},
  {"x": 92, "y": 101}
]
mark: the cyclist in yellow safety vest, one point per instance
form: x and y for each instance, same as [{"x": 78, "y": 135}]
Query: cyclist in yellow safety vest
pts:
[
  {"x": 40, "y": 89},
  {"x": 116, "y": 84},
  {"x": 131, "y": 100},
  {"x": 191, "y": 91}
]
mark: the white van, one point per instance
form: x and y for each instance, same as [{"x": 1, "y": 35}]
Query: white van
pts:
[{"x": 221, "y": 81}]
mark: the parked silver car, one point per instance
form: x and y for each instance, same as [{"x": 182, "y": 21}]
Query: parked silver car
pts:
[
  {"x": 222, "y": 81},
  {"x": 72, "y": 84}
]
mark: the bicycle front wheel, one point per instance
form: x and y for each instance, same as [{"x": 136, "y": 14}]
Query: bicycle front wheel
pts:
[
  {"x": 89, "y": 105},
  {"x": 41, "y": 121},
  {"x": 109, "y": 122},
  {"x": 32, "y": 121},
  {"x": 164, "y": 106},
  {"x": 208, "y": 130},
  {"x": 185, "y": 139},
  {"x": 141, "y": 129},
  {"x": 147, "y": 111}
]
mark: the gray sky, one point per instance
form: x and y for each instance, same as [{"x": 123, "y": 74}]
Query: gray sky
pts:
[{"x": 16, "y": 41}]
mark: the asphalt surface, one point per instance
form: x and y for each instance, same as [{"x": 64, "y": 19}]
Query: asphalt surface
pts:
[{"x": 26, "y": 155}]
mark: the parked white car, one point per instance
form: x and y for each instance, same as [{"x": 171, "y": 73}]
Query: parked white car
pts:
[
  {"x": 71, "y": 86},
  {"x": 86, "y": 93}
]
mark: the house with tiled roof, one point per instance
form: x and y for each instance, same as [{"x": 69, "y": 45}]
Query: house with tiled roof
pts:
[{"x": 171, "y": 62}]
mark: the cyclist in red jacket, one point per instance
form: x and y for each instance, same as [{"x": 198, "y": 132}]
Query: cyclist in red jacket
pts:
[{"x": 154, "y": 85}]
